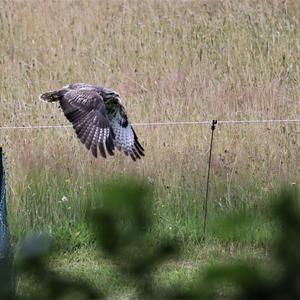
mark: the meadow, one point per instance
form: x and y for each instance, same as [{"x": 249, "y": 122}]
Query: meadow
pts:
[{"x": 170, "y": 61}]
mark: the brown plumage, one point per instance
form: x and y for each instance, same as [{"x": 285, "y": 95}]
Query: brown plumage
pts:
[{"x": 98, "y": 117}]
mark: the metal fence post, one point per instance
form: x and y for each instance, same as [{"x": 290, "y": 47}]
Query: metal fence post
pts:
[
  {"x": 213, "y": 127},
  {"x": 6, "y": 266}
]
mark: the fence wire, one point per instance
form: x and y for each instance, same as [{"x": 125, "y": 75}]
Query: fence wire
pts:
[{"x": 166, "y": 123}]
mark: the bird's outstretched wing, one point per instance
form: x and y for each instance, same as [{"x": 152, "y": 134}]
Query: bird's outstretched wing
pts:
[
  {"x": 98, "y": 117},
  {"x": 86, "y": 110},
  {"x": 126, "y": 139}
]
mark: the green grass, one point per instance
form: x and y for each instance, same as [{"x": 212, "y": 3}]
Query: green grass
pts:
[
  {"x": 92, "y": 266},
  {"x": 99, "y": 271},
  {"x": 57, "y": 204}
]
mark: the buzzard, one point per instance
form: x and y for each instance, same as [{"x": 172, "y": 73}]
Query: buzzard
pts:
[{"x": 98, "y": 117}]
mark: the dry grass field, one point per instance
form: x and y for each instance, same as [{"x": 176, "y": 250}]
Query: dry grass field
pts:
[{"x": 170, "y": 61}]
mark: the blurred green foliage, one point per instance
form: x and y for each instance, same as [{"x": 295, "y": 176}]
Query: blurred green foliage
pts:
[{"x": 122, "y": 222}]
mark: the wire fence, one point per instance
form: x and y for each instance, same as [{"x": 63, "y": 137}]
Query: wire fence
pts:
[
  {"x": 167, "y": 123},
  {"x": 3, "y": 223}
]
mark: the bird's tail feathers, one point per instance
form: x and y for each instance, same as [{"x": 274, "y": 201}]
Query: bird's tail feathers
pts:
[{"x": 53, "y": 95}]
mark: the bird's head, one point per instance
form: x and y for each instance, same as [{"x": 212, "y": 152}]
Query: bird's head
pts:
[{"x": 110, "y": 96}]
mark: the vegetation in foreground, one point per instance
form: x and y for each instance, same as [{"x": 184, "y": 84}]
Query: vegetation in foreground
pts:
[
  {"x": 132, "y": 261},
  {"x": 61, "y": 203}
]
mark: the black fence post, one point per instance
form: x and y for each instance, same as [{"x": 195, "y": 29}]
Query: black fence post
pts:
[
  {"x": 6, "y": 263},
  {"x": 213, "y": 127}
]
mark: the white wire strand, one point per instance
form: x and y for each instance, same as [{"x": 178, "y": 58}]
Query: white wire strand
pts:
[
  {"x": 167, "y": 123},
  {"x": 219, "y": 122}
]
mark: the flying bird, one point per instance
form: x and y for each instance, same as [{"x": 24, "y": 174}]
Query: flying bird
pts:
[{"x": 98, "y": 117}]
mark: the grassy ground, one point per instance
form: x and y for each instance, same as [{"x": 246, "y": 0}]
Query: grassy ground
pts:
[
  {"x": 100, "y": 272},
  {"x": 96, "y": 269},
  {"x": 170, "y": 61},
  {"x": 58, "y": 205},
  {"x": 176, "y": 215}
]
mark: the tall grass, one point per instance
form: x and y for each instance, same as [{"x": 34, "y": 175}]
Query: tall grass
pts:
[
  {"x": 170, "y": 60},
  {"x": 57, "y": 204}
]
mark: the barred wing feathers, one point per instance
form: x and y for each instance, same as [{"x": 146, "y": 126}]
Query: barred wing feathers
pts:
[
  {"x": 125, "y": 137},
  {"x": 85, "y": 109}
]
